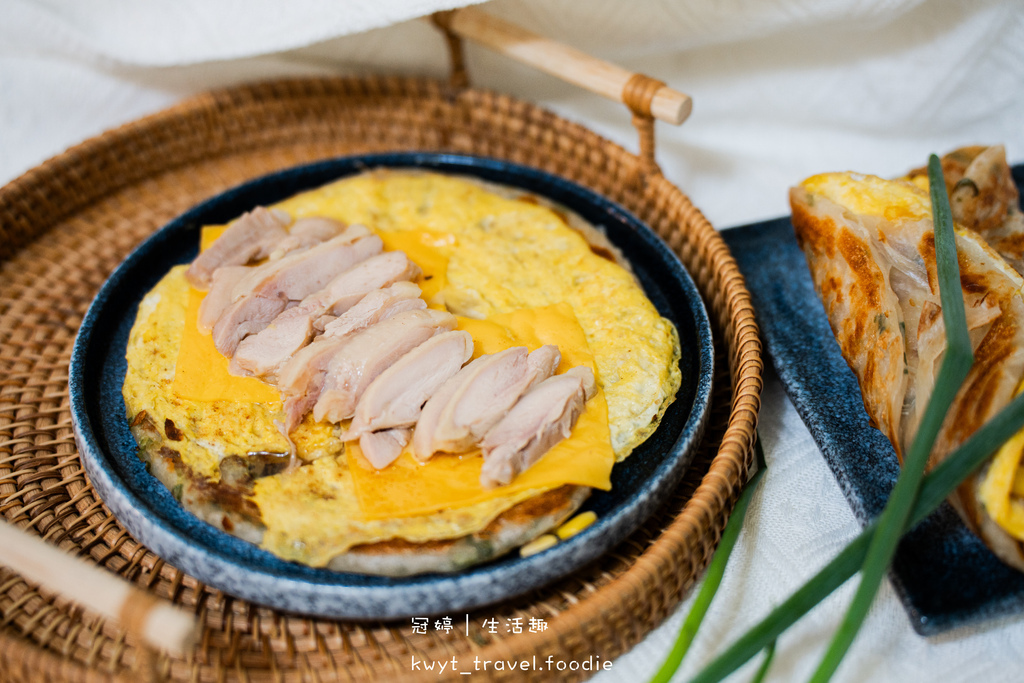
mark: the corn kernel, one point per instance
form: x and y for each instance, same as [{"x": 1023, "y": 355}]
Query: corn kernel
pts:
[
  {"x": 576, "y": 524},
  {"x": 539, "y": 544}
]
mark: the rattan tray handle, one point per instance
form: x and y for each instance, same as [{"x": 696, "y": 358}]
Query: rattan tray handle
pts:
[
  {"x": 646, "y": 97},
  {"x": 158, "y": 623}
]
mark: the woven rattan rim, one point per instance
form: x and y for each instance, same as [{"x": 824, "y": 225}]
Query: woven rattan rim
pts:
[{"x": 67, "y": 223}]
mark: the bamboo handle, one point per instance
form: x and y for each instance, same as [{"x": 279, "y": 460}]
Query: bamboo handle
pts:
[
  {"x": 159, "y": 624},
  {"x": 566, "y": 63}
]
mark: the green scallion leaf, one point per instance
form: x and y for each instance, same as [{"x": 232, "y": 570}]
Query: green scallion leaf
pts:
[
  {"x": 762, "y": 670},
  {"x": 956, "y": 364},
  {"x": 937, "y": 486},
  {"x": 713, "y": 576}
]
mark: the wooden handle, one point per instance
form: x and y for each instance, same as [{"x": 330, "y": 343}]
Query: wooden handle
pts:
[
  {"x": 565, "y": 62},
  {"x": 158, "y": 623}
]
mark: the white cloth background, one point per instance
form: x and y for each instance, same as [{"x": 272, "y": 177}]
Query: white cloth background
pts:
[{"x": 782, "y": 89}]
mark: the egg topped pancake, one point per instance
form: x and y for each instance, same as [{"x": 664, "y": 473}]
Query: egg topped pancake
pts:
[{"x": 515, "y": 274}]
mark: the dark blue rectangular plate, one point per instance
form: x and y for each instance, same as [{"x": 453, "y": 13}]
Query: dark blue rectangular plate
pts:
[{"x": 943, "y": 573}]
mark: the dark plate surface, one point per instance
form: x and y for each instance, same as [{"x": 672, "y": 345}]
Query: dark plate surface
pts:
[
  {"x": 944, "y": 574},
  {"x": 150, "y": 513}
]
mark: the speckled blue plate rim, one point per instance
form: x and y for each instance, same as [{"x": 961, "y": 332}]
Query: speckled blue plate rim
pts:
[
  {"x": 945, "y": 575},
  {"x": 153, "y": 517}
]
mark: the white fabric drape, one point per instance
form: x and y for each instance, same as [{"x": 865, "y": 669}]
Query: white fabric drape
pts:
[{"x": 782, "y": 89}]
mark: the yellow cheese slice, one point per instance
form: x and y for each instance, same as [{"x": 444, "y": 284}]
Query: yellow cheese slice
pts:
[
  {"x": 202, "y": 371},
  {"x": 407, "y": 488}
]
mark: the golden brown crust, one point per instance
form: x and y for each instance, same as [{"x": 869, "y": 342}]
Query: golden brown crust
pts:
[
  {"x": 974, "y": 403},
  {"x": 509, "y": 530},
  {"x": 868, "y": 276},
  {"x": 228, "y": 506},
  {"x": 861, "y": 309},
  {"x": 227, "y": 503},
  {"x": 1013, "y": 246},
  {"x": 998, "y": 359},
  {"x": 813, "y": 234},
  {"x": 553, "y": 502}
]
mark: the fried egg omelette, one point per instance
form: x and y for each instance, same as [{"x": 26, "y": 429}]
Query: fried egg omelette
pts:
[{"x": 514, "y": 272}]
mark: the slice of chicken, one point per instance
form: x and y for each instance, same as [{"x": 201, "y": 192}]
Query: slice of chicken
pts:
[
  {"x": 220, "y": 296},
  {"x": 320, "y": 228},
  {"x": 305, "y": 233},
  {"x": 383, "y": 448},
  {"x": 372, "y": 308},
  {"x": 262, "y": 354},
  {"x": 301, "y": 379},
  {"x": 289, "y": 272},
  {"x": 542, "y": 363},
  {"x": 323, "y": 321},
  {"x": 459, "y": 414},
  {"x": 543, "y": 417},
  {"x": 348, "y": 288},
  {"x": 396, "y": 397},
  {"x": 278, "y": 284},
  {"x": 249, "y": 238},
  {"x": 366, "y": 354}
]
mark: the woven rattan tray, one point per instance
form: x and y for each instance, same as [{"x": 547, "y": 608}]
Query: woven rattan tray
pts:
[{"x": 66, "y": 224}]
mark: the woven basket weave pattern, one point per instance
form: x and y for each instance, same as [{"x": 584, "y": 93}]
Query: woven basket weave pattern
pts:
[{"x": 65, "y": 225}]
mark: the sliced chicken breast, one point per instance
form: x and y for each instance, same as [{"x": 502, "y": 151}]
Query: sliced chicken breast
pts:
[
  {"x": 262, "y": 354},
  {"x": 540, "y": 419},
  {"x": 459, "y": 414},
  {"x": 321, "y": 228},
  {"x": 249, "y": 238},
  {"x": 308, "y": 232},
  {"x": 372, "y": 308},
  {"x": 366, "y": 354},
  {"x": 396, "y": 397},
  {"x": 383, "y": 448},
  {"x": 542, "y": 363},
  {"x": 220, "y": 296},
  {"x": 301, "y": 379},
  {"x": 299, "y": 274},
  {"x": 277, "y": 284},
  {"x": 348, "y": 288}
]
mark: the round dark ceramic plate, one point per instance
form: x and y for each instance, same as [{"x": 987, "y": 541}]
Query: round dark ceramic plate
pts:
[{"x": 149, "y": 511}]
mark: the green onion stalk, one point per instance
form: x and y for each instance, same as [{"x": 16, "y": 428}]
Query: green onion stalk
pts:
[{"x": 713, "y": 576}]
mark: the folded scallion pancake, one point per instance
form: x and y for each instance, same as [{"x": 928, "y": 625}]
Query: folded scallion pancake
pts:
[{"x": 870, "y": 245}]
